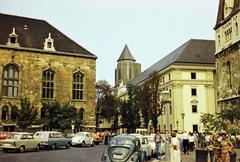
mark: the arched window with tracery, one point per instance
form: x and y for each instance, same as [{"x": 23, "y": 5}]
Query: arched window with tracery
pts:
[
  {"x": 43, "y": 112},
  {"x": 10, "y": 80},
  {"x": 77, "y": 91},
  {"x": 81, "y": 114},
  {"x": 5, "y": 113},
  {"x": 14, "y": 112},
  {"x": 47, "y": 84}
]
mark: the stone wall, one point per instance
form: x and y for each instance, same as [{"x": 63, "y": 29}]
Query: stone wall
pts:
[
  {"x": 31, "y": 64},
  {"x": 228, "y": 78}
]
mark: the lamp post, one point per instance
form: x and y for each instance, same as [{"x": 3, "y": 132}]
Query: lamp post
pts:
[
  {"x": 177, "y": 124},
  {"x": 183, "y": 115}
]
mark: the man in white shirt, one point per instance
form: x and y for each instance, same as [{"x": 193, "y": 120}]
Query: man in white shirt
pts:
[{"x": 185, "y": 138}]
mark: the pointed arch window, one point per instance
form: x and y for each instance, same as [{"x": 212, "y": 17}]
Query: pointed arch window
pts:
[
  {"x": 81, "y": 114},
  {"x": 14, "y": 111},
  {"x": 47, "y": 84},
  {"x": 43, "y": 112},
  {"x": 77, "y": 92},
  {"x": 10, "y": 80},
  {"x": 5, "y": 114}
]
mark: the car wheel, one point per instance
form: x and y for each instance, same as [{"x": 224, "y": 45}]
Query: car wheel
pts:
[
  {"x": 68, "y": 145},
  {"x": 53, "y": 146},
  {"x": 92, "y": 145},
  {"x": 38, "y": 148},
  {"x": 83, "y": 144},
  {"x": 21, "y": 149}
]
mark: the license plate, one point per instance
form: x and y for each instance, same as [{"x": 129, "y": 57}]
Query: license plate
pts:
[{"x": 116, "y": 156}]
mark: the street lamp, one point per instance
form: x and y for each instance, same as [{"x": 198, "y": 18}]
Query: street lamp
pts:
[
  {"x": 177, "y": 124},
  {"x": 183, "y": 115}
]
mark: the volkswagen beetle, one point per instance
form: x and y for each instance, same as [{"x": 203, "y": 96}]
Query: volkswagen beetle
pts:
[{"x": 124, "y": 148}]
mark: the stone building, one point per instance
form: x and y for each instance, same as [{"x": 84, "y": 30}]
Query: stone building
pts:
[
  {"x": 227, "y": 44},
  {"x": 187, "y": 81},
  {"x": 40, "y": 63},
  {"x": 126, "y": 67}
]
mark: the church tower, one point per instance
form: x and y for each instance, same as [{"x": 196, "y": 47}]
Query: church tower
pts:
[
  {"x": 126, "y": 69},
  {"x": 227, "y": 53}
]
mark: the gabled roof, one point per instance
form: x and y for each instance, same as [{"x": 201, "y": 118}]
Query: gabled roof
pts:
[
  {"x": 126, "y": 55},
  {"x": 33, "y": 32},
  {"x": 220, "y": 15},
  {"x": 194, "y": 52}
]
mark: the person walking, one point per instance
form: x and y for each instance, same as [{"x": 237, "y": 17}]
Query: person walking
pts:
[
  {"x": 191, "y": 141},
  {"x": 158, "y": 139},
  {"x": 214, "y": 149},
  {"x": 226, "y": 148},
  {"x": 175, "y": 154},
  {"x": 185, "y": 138}
]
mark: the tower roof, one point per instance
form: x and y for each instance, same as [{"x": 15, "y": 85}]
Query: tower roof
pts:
[
  {"x": 126, "y": 55},
  {"x": 220, "y": 15}
]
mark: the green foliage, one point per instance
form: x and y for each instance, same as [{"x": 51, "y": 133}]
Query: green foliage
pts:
[
  {"x": 26, "y": 115},
  {"x": 227, "y": 119},
  {"x": 145, "y": 100},
  {"x": 106, "y": 106},
  {"x": 155, "y": 106},
  {"x": 130, "y": 110},
  {"x": 60, "y": 117}
]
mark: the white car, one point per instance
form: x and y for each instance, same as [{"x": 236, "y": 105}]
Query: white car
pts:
[
  {"x": 152, "y": 142},
  {"x": 82, "y": 139},
  {"x": 145, "y": 146}
]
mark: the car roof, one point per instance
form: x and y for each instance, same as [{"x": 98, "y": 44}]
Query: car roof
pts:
[
  {"x": 47, "y": 132},
  {"x": 21, "y": 133}
]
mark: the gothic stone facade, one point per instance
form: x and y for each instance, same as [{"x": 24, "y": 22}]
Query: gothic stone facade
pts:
[
  {"x": 228, "y": 54},
  {"x": 43, "y": 69}
]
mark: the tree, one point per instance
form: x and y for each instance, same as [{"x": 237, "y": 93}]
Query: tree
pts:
[
  {"x": 155, "y": 106},
  {"x": 67, "y": 117},
  {"x": 60, "y": 116},
  {"x": 106, "y": 106},
  {"x": 53, "y": 111},
  {"x": 26, "y": 115},
  {"x": 208, "y": 121},
  {"x": 144, "y": 104},
  {"x": 132, "y": 110}
]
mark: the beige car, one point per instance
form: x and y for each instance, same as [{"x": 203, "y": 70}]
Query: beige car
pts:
[{"x": 20, "y": 141}]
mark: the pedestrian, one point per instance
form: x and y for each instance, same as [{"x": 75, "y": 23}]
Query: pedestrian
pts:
[
  {"x": 185, "y": 138},
  {"x": 214, "y": 149},
  {"x": 226, "y": 148},
  {"x": 158, "y": 139},
  {"x": 191, "y": 141},
  {"x": 175, "y": 154}
]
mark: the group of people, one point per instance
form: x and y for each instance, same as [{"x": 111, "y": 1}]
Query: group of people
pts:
[{"x": 219, "y": 146}]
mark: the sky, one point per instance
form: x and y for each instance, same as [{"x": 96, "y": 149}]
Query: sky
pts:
[{"x": 151, "y": 28}]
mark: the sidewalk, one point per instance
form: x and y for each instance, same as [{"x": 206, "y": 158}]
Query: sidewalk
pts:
[{"x": 191, "y": 157}]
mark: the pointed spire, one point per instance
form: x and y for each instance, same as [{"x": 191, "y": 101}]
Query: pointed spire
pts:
[{"x": 126, "y": 55}]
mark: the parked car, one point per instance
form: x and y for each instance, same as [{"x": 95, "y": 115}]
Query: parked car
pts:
[
  {"x": 152, "y": 143},
  {"x": 124, "y": 148},
  {"x": 82, "y": 139},
  {"x": 97, "y": 138},
  {"x": 52, "y": 139},
  {"x": 145, "y": 146},
  {"x": 20, "y": 141}
]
